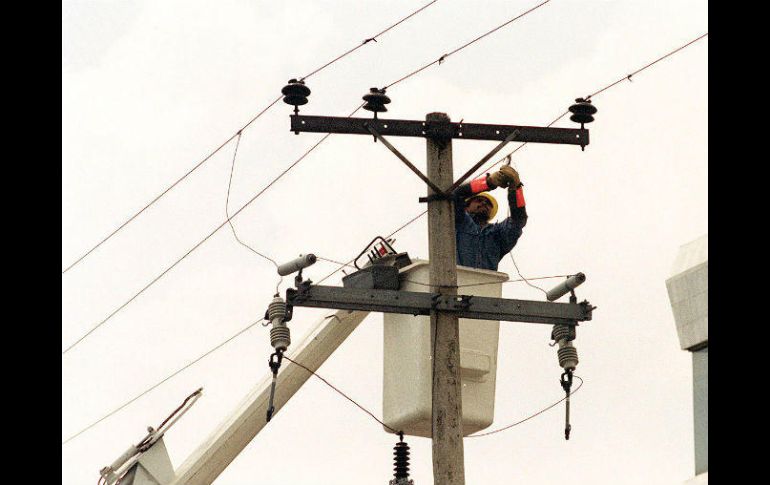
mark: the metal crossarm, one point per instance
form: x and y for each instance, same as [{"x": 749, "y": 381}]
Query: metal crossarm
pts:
[
  {"x": 425, "y": 129},
  {"x": 420, "y": 303}
]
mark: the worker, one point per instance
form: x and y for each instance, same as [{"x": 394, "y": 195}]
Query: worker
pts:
[{"x": 480, "y": 242}]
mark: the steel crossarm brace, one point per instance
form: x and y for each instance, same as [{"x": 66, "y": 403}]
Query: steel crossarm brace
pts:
[
  {"x": 401, "y": 157},
  {"x": 425, "y": 129},
  {"x": 481, "y": 162},
  {"x": 421, "y": 303}
]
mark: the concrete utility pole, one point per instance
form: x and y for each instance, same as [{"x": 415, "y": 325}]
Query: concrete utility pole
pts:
[{"x": 448, "y": 460}]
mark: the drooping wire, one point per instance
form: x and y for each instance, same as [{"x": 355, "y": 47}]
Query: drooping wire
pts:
[
  {"x": 341, "y": 393},
  {"x": 157, "y": 384},
  {"x": 199, "y": 244},
  {"x": 165, "y": 191},
  {"x": 530, "y": 416},
  {"x": 227, "y": 214},
  {"x": 443, "y": 57},
  {"x": 216, "y": 150}
]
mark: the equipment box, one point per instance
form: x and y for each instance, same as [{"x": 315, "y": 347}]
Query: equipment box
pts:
[{"x": 407, "y": 357}]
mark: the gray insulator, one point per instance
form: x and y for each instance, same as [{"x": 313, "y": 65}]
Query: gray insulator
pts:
[
  {"x": 563, "y": 332},
  {"x": 276, "y": 310},
  {"x": 568, "y": 357},
  {"x": 300, "y": 263},
  {"x": 280, "y": 337},
  {"x": 565, "y": 287}
]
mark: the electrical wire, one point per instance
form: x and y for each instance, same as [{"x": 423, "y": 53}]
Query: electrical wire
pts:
[
  {"x": 373, "y": 38},
  {"x": 341, "y": 393},
  {"x": 235, "y": 234},
  {"x": 532, "y": 415},
  {"x": 443, "y": 57},
  {"x": 227, "y": 214},
  {"x": 157, "y": 384},
  {"x": 605, "y": 88},
  {"x": 237, "y": 133}
]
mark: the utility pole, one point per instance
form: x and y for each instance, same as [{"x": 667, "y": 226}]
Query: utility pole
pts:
[
  {"x": 443, "y": 305},
  {"x": 448, "y": 460}
]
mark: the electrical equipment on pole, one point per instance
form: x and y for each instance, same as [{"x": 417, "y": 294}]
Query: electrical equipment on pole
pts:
[{"x": 374, "y": 291}]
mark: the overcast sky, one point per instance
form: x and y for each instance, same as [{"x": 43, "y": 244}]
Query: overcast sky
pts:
[{"x": 150, "y": 88}]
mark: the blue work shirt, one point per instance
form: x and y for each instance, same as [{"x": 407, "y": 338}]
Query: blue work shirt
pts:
[{"x": 483, "y": 248}]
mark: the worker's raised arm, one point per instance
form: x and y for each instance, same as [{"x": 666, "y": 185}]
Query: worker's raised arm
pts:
[{"x": 508, "y": 231}]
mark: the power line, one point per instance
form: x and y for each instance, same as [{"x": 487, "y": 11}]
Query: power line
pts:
[
  {"x": 342, "y": 394},
  {"x": 443, "y": 57},
  {"x": 605, "y": 88},
  {"x": 260, "y": 193},
  {"x": 373, "y": 38},
  {"x": 146, "y": 391},
  {"x": 628, "y": 77},
  {"x": 530, "y": 416},
  {"x": 237, "y": 133}
]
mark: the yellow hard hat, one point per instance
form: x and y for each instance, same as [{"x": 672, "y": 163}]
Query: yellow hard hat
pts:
[{"x": 491, "y": 200}]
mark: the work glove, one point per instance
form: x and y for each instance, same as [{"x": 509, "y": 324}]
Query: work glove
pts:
[{"x": 506, "y": 176}]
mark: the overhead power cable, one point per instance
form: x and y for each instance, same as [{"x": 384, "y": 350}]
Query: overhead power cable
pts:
[
  {"x": 531, "y": 415},
  {"x": 558, "y": 118},
  {"x": 342, "y": 394},
  {"x": 157, "y": 384},
  {"x": 237, "y": 133},
  {"x": 255, "y": 197},
  {"x": 443, "y": 57},
  {"x": 627, "y": 77}
]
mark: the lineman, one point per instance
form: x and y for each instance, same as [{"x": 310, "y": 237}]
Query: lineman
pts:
[{"x": 481, "y": 244}]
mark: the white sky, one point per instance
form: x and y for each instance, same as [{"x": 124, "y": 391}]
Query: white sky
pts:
[{"x": 150, "y": 88}]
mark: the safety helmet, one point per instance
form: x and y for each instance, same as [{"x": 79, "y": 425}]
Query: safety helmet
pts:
[{"x": 491, "y": 200}]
